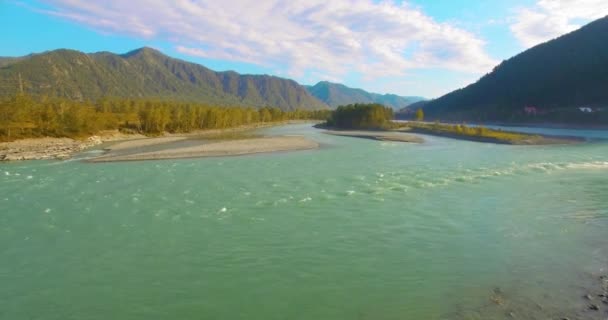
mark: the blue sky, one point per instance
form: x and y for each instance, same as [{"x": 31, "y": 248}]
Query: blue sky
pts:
[{"x": 418, "y": 47}]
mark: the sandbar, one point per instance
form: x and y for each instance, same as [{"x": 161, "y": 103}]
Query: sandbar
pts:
[
  {"x": 210, "y": 148},
  {"x": 378, "y": 135}
]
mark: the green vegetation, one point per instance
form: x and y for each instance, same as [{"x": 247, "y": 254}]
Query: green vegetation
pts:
[
  {"x": 470, "y": 133},
  {"x": 361, "y": 116},
  {"x": 22, "y": 116},
  {"x": 554, "y": 78},
  {"x": 335, "y": 94},
  {"x": 145, "y": 74}
]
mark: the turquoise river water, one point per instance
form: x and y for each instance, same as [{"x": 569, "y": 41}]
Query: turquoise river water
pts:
[{"x": 358, "y": 229}]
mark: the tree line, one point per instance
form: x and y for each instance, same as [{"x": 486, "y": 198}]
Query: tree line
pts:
[
  {"x": 361, "y": 116},
  {"x": 21, "y": 116}
]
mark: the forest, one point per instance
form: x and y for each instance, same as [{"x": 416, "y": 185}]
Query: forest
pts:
[
  {"x": 22, "y": 116},
  {"x": 361, "y": 116},
  {"x": 554, "y": 79},
  {"x": 145, "y": 74}
]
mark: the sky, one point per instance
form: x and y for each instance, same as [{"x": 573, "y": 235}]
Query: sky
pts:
[{"x": 411, "y": 47}]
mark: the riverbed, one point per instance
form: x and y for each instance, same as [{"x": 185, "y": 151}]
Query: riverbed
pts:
[{"x": 357, "y": 229}]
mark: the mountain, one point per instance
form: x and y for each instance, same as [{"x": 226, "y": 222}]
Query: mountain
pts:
[
  {"x": 5, "y": 61},
  {"x": 552, "y": 79},
  {"x": 413, "y": 107},
  {"x": 146, "y": 73},
  {"x": 335, "y": 94}
]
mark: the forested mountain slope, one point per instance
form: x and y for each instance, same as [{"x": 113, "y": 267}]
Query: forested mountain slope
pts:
[
  {"x": 145, "y": 73},
  {"x": 549, "y": 82}
]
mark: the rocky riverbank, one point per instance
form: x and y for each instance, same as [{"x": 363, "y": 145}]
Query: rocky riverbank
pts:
[
  {"x": 44, "y": 148},
  {"x": 48, "y": 148},
  {"x": 589, "y": 301}
]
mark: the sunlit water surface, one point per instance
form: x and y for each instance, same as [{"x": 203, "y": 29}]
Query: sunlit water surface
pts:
[{"x": 359, "y": 229}]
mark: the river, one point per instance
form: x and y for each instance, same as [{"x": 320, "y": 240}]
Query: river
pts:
[{"x": 358, "y": 229}]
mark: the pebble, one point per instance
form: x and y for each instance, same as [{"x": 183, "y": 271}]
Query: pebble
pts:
[{"x": 594, "y": 307}]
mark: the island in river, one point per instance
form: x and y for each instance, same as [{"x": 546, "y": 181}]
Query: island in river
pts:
[
  {"x": 483, "y": 134},
  {"x": 377, "y": 121}
]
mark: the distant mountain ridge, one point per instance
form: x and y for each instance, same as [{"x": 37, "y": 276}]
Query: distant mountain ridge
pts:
[
  {"x": 4, "y": 61},
  {"x": 335, "y": 94},
  {"x": 146, "y": 73},
  {"x": 549, "y": 81}
]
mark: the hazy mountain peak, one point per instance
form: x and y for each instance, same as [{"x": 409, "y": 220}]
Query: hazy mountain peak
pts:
[{"x": 336, "y": 94}]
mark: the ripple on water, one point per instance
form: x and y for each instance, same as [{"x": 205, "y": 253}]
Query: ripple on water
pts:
[
  {"x": 423, "y": 180},
  {"x": 589, "y": 165},
  {"x": 388, "y": 233}
]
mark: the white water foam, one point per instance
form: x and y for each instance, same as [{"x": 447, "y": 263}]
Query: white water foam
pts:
[
  {"x": 398, "y": 181},
  {"x": 589, "y": 165},
  {"x": 306, "y": 199}
]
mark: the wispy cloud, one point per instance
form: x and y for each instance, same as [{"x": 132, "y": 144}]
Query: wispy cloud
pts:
[
  {"x": 300, "y": 36},
  {"x": 549, "y": 19}
]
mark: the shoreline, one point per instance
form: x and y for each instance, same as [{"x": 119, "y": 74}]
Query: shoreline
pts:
[
  {"x": 597, "y": 127},
  {"x": 53, "y": 148},
  {"x": 394, "y": 136},
  {"x": 532, "y": 140},
  {"x": 385, "y": 135},
  {"x": 485, "y": 134},
  {"x": 207, "y": 149},
  {"x": 539, "y": 125}
]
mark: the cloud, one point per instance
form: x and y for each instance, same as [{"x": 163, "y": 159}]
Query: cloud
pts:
[
  {"x": 549, "y": 19},
  {"x": 300, "y": 36}
]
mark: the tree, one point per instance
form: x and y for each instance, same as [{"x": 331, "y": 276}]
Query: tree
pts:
[
  {"x": 419, "y": 115},
  {"x": 361, "y": 116},
  {"x": 22, "y": 116}
]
